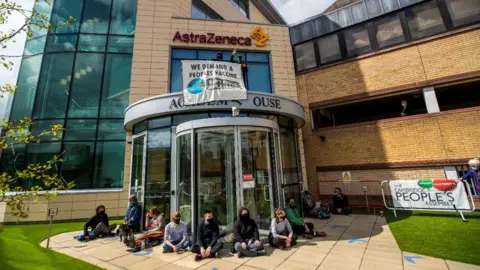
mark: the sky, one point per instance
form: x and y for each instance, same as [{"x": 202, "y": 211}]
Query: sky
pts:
[{"x": 295, "y": 11}]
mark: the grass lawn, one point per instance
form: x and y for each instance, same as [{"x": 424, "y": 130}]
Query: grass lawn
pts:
[
  {"x": 437, "y": 234},
  {"x": 20, "y": 248}
]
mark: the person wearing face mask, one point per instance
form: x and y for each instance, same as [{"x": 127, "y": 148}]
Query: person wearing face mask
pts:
[
  {"x": 98, "y": 223},
  {"x": 473, "y": 173},
  {"x": 340, "y": 202},
  {"x": 281, "y": 233},
  {"x": 246, "y": 237},
  {"x": 208, "y": 242},
  {"x": 176, "y": 235},
  {"x": 299, "y": 226},
  {"x": 133, "y": 215}
]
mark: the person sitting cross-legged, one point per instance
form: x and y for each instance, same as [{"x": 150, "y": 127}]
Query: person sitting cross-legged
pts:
[
  {"x": 208, "y": 242},
  {"x": 281, "y": 233},
  {"x": 176, "y": 236},
  {"x": 246, "y": 237},
  {"x": 299, "y": 226}
]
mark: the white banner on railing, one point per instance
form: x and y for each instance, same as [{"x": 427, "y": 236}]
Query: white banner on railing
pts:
[
  {"x": 429, "y": 194},
  {"x": 205, "y": 81}
]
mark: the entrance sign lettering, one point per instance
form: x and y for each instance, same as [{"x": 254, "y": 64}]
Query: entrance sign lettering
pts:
[
  {"x": 206, "y": 81},
  {"x": 429, "y": 194}
]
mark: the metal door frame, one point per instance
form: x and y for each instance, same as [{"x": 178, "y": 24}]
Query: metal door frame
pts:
[{"x": 144, "y": 171}]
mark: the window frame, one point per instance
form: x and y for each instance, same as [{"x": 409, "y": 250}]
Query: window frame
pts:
[
  {"x": 200, "y": 5},
  {"x": 236, "y": 4}
]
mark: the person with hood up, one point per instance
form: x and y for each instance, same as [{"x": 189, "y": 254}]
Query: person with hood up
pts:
[
  {"x": 98, "y": 223},
  {"x": 246, "y": 239},
  {"x": 133, "y": 215}
]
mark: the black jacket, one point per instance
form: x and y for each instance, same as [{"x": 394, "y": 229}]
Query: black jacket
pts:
[
  {"x": 207, "y": 234},
  {"x": 244, "y": 68},
  {"x": 340, "y": 202},
  {"x": 245, "y": 230},
  {"x": 93, "y": 222}
]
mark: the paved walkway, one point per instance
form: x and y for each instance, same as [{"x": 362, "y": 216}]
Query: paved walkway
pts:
[{"x": 353, "y": 242}]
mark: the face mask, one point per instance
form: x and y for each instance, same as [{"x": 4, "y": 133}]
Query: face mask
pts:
[
  {"x": 210, "y": 220},
  {"x": 334, "y": 193},
  {"x": 101, "y": 212},
  {"x": 177, "y": 221},
  {"x": 281, "y": 218},
  {"x": 244, "y": 217}
]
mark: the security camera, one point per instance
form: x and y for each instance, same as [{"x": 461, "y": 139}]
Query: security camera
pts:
[
  {"x": 129, "y": 139},
  {"x": 235, "y": 111}
]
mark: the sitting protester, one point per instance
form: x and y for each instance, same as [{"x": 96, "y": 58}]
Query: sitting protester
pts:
[
  {"x": 246, "y": 237},
  {"x": 176, "y": 236},
  {"x": 298, "y": 225},
  {"x": 340, "y": 203},
  {"x": 154, "y": 221},
  {"x": 208, "y": 243},
  {"x": 98, "y": 223},
  {"x": 133, "y": 215},
  {"x": 322, "y": 212},
  {"x": 281, "y": 233}
]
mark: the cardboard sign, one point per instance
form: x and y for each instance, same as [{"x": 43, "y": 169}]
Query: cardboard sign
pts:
[
  {"x": 429, "y": 194},
  {"x": 346, "y": 176},
  {"x": 52, "y": 212}
]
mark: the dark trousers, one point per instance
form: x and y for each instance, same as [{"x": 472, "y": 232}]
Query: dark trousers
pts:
[
  {"x": 277, "y": 241},
  {"x": 215, "y": 248},
  {"x": 300, "y": 229}
]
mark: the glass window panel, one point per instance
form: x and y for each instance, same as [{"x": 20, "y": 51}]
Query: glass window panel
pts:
[
  {"x": 329, "y": 49},
  {"x": 389, "y": 31},
  {"x": 464, "y": 11},
  {"x": 96, "y": 16},
  {"x": 305, "y": 56},
  {"x": 258, "y": 57},
  {"x": 159, "y": 122},
  {"x": 92, "y": 43},
  {"x": 61, "y": 43},
  {"x": 116, "y": 86},
  {"x": 12, "y": 161},
  {"x": 182, "y": 118},
  {"x": 425, "y": 20},
  {"x": 207, "y": 55},
  {"x": 78, "y": 163},
  {"x": 289, "y": 156},
  {"x": 109, "y": 161},
  {"x": 357, "y": 40},
  {"x": 42, "y": 152},
  {"x": 158, "y": 160},
  {"x": 44, "y": 8},
  {"x": 35, "y": 46},
  {"x": 62, "y": 11},
  {"x": 184, "y": 54},
  {"x": 27, "y": 84},
  {"x": 176, "y": 84},
  {"x": 197, "y": 13},
  {"x": 259, "y": 78},
  {"x": 111, "y": 130},
  {"x": 52, "y": 93},
  {"x": 45, "y": 125},
  {"x": 120, "y": 44},
  {"x": 80, "y": 130},
  {"x": 85, "y": 94},
  {"x": 140, "y": 127},
  {"x": 184, "y": 177},
  {"x": 124, "y": 17}
]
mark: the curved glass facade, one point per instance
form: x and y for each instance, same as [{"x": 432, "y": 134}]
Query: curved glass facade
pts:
[{"x": 78, "y": 76}]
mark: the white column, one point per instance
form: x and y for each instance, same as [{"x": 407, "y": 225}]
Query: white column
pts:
[{"x": 431, "y": 100}]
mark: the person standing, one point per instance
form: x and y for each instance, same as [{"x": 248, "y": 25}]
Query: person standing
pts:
[
  {"x": 208, "y": 243},
  {"x": 176, "y": 235},
  {"x": 340, "y": 202},
  {"x": 133, "y": 215},
  {"x": 281, "y": 233},
  {"x": 473, "y": 173},
  {"x": 246, "y": 237},
  {"x": 243, "y": 65}
]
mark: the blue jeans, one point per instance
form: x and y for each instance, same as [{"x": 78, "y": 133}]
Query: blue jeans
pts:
[{"x": 167, "y": 248}]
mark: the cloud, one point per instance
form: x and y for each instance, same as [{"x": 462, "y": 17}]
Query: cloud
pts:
[{"x": 295, "y": 11}]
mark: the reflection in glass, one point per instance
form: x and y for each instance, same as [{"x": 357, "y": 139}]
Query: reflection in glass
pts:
[
  {"x": 464, "y": 11},
  {"x": 184, "y": 178},
  {"x": 34, "y": 46},
  {"x": 124, "y": 16},
  {"x": 92, "y": 43},
  {"x": 40, "y": 126},
  {"x": 305, "y": 56},
  {"x": 96, "y": 16},
  {"x": 357, "y": 40},
  {"x": 77, "y": 163},
  {"x": 44, "y": 8},
  {"x": 110, "y": 130},
  {"x": 259, "y": 78},
  {"x": 389, "y": 31},
  {"x": 289, "y": 156},
  {"x": 116, "y": 85},
  {"x": 80, "y": 130},
  {"x": 158, "y": 160},
  {"x": 425, "y": 20},
  {"x": 120, "y": 44},
  {"x": 216, "y": 177},
  {"x": 108, "y": 173},
  {"x": 40, "y": 154},
  {"x": 137, "y": 165},
  {"x": 61, "y": 43},
  {"x": 62, "y": 11},
  {"x": 329, "y": 49}
]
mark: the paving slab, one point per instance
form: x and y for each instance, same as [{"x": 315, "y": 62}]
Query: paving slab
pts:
[
  {"x": 392, "y": 257},
  {"x": 378, "y": 265},
  {"x": 461, "y": 266},
  {"x": 127, "y": 260},
  {"x": 220, "y": 265},
  {"x": 303, "y": 265},
  {"x": 265, "y": 262},
  {"x": 416, "y": 261},
  {"x": 189, "y": 262},
  {"x": 149, "y": 263}
]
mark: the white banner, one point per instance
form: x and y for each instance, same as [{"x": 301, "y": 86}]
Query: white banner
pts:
[
  {"x": 205, "y": 81},
  {"x": 429, "y": 194}
]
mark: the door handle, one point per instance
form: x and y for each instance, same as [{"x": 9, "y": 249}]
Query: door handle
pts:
[{"x": 265, "y": 193}]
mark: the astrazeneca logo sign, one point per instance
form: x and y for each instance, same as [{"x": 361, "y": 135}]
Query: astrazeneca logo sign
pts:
[{"x": 211, "y": 38}]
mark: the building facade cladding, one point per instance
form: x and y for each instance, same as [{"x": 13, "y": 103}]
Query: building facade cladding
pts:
[
  {"x": 157, "y": 22},
  {"x": 418, "y": 146}
]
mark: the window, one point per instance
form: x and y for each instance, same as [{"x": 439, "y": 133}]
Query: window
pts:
[
  {"x": 41, "y": 125},
  {"x": 80, "y": 130},
  {"x": 92, "y": 43},
  {"x": 61, "y": 43},
  {"x": 111, "y": 130},
  {"x": 124, "y": 16},
  {"x": 116, "y": 86},
  {"x": 458, "y": 96},
  {"x": 329, "y": 49},
  {"x": 389, "y": 31},
  {"x": 464, "y": 11},
  {"x": 87, "y": 81},
  {"x": 242, "y": 6},
  {"x": 96, "y": 16},
  {"x": 305, "y": 56},
  {"x": 78, "y": 163},
  {"x": 158, "y": 160},
  {"x": 258, "y": 77},
  {"x": 357, "y": 40},
  {"x": 120, "y": 44},
  {"x": 370, "y": 110},
  {"x": 201, "y": 11},
  {"x": 424, "y": 20},
  {"x": 35, "y": 46},
  {"x": 62, "y": 11},
  {"x": 110, "y": 156}
]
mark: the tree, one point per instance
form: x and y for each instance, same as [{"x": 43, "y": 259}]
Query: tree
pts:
[{"x": 15, "y": 133}]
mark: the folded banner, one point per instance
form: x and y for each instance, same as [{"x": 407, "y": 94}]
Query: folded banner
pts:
[
  {"x": 429, "y": 194},
  {"x": 205, "y": 81}
]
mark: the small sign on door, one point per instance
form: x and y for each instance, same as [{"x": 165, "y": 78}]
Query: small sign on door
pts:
[
  {"x": 52, "y": 212},
  {"x": 248, "y": 181}
]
